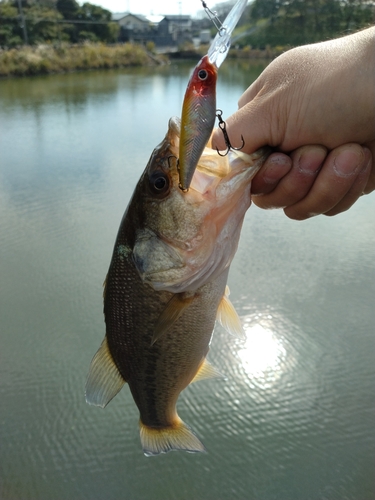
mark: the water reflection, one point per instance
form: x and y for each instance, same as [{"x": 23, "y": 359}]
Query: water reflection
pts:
[{"x": 263, "y": 354}]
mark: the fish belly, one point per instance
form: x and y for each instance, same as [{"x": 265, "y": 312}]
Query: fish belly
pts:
[{"x": 157, "y": 373}]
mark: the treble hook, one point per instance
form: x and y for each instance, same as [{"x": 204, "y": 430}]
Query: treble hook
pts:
[{"x": 223, "y": 128}]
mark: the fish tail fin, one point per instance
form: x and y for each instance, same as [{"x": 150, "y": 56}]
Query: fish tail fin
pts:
[{"x": 156, "y": 440}]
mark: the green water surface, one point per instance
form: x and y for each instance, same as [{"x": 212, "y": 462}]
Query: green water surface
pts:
[{"x": 294, "y": 420}]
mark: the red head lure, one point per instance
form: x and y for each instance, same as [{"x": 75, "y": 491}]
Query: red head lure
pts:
[
  {"x": 197, "y": 118},
  {"x": 199, "y": 106}
]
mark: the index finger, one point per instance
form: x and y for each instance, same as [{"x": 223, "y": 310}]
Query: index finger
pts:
[
  {"x": 250, "y": 123},
  {"x": 249, "y": 94}
]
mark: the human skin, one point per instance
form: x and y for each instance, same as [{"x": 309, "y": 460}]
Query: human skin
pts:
[{"x": 315, "y": 105}]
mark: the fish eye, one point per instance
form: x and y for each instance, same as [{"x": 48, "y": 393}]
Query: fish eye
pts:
[
  {"x": 202, "y": 74},
  {"x": 159, "y": 183}
]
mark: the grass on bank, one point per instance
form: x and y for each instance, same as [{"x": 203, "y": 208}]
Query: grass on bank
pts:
[{"x": 45, "y": 59}]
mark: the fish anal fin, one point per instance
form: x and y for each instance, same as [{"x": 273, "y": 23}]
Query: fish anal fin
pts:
[
  {"x": 156, "y": 440},
  {"x": 173, "y": 310},
  {"x": 104, "y": 380},
  {"x": 228, "y": 317},
  {"x": 205, "y": 371}
]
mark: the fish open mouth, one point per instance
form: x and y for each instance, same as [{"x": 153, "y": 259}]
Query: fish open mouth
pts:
[
  {"x": 212, "y": 167},
  {"x": 200, "y": 237}
]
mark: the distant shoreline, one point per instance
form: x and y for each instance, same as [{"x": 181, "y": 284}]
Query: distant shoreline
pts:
[
  {"x": 65, "y": 58},
  {"x": 244, "y": 53}
]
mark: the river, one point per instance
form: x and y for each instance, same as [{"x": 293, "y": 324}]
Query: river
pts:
[{"x": 294, "y": 419}]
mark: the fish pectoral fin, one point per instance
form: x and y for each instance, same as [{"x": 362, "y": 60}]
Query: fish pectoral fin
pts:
[
  {"x": 104, "y": 380},
  {"x": 156, "y": 440},
  {"x": 206, "y": 370},
  {"x": 173, "y": 310},
  {"x": 228, "y": 317}
]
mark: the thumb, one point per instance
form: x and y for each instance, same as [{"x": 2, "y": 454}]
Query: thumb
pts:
[{"x": 252, "y": 123}]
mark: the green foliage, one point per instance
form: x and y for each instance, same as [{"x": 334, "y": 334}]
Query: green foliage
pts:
[
  {"x": 87, "y": 36},
  {"x": 67, "y": 8},
  {"x": 10, "y": 29},
  {"x": 297, "y": 22},
  {"x": 265, "y": 9},
  {"x": 150, "y": 47},
  {"x": 93, "y": 13},
  {"x": 41, "y": 22},
  {"x": 44, "y": 22}
]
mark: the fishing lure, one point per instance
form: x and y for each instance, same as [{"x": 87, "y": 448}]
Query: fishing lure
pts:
[{"x": 199, "y": 105}]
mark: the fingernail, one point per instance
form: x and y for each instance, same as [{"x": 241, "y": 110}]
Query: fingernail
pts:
[
  {"x": 274, "y": 167},
  {"x": 311, "y": 163},
  {"x": 346, "y": 163},
  {"x": 368, "y": 159}
]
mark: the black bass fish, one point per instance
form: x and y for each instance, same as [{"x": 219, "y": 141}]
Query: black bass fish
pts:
[{"x": 166, "y": 286}]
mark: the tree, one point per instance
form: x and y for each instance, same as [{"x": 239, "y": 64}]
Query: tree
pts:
[
  {"x": 68, "y": 8},
  {"x": 10, "y": 29},
  {"x": 297, "y": 22},
  {"x": 266, "y": 9},
  {"x": 43, "y": 24},
  {"x": 90, "y": 22},
  {"x": 94, "y": 13}
]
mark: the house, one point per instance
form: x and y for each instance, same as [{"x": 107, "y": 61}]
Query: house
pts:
[
  {"x": 173, "y": 31},
  {"x": 164, "y": 31},
  {"x": 134, "y": 22},
  {"x": 133, "y": 27},
  {"x": 175, "y": 26}
]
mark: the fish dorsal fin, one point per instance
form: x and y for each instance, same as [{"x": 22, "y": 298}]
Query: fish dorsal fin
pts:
[
  {"x": 228, "y": 317},
  {"x": 104, "y": 380},
  {"x": 156, "y": 440},
  {"x": 206, "y": 370},
  {"x": 173, "y": 310}
]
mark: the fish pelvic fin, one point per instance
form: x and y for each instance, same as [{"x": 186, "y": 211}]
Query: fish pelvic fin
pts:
[
  {"x": 205, "y": 371},
  {"x": 104, "y": 380},
  {"x": 179, "y": 436},
  {"x": 173, "y": 310},
  {"x": 228, "y": 317}
]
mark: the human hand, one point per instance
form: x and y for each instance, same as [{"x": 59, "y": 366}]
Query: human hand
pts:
[
  {"x": 312, "y": 181},
  {"x": 313, "y": 102}
]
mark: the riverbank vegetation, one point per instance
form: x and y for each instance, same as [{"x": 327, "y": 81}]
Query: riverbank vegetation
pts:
[{"x": 43, "y": 59}]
